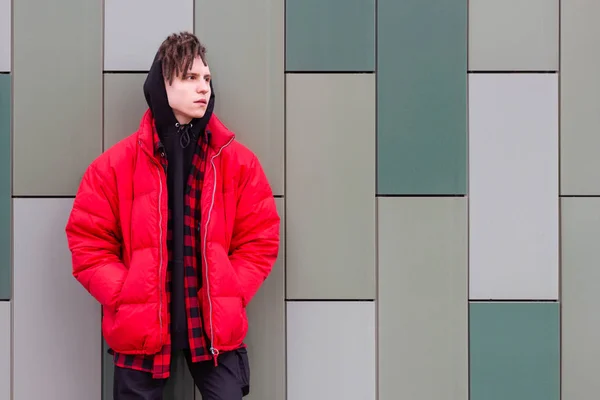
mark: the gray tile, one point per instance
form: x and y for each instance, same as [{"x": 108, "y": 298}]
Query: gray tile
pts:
[
  {"x": 266, "y": 335},
  {"x": 579, "y": 87},
  {"x": 513, "y": 35},
  {"x": 5, "y": 188},
  {"x": 331, "y": 350},
  {"x": 134, "y": 29},
  {"x": 57, "y": 128},
  {"x": 56, "y": 321},
  {"x": 5, "y": 35},
  {"x": 580, "y": 229},
  {"x": 108, "y": 370},
  {"x": 180, "y": 385},
  {"x": 124, "y": 106},
  {"x": 423, "y": 325},
  {"x": 513, "y": 186},
  {"x": 339, "y": 37},
  {"x": 5, "y": 353},
  {"x": 330, "y": 186},
  {"x": 245, "y": 56}
]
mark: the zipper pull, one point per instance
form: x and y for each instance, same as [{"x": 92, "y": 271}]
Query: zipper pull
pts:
[{"x": 215, "y": 354}]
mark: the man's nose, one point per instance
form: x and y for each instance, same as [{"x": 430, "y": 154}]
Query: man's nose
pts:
[{"x": 203, "y": 88}]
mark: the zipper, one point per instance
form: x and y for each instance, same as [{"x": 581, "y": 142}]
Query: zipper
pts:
[
  {"x": 214, "y": 351},
  {"x": 160, "y": 252},
  {"x": 160, "y": 248}
]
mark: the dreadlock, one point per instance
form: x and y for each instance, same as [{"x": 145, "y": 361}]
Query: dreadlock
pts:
[{"x": 178, "y": 52}]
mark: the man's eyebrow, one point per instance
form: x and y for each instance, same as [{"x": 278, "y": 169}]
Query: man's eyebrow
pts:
[{"x": 194, "y": 74}]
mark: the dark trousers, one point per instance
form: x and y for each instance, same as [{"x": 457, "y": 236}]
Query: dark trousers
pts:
[{"x": 230, "y": 380}]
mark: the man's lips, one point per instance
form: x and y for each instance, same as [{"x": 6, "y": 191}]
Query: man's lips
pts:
[{"x": 200, "y": 101}]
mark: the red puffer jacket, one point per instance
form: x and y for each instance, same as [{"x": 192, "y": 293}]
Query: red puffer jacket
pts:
[{"x": 117, "y": 233}]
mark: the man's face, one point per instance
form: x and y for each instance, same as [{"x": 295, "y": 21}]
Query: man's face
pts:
[{"x": 189, "y": 94}]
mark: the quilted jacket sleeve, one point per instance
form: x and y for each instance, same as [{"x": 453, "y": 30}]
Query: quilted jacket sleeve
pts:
[
  {"x": 93, "y": 237},
  {"x": 255, "y": 241}
]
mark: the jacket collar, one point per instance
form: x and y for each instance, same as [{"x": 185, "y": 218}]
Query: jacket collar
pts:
[{"x": 219, "y": 134}]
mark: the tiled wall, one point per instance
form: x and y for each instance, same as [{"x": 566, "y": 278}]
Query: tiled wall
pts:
[{"x": 436, "y": 165}]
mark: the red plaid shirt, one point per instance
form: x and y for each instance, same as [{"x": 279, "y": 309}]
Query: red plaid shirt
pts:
[{"x": 159, "y": 364}]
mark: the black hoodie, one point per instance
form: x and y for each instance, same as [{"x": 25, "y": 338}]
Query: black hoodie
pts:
[{"x": 179, "y": 144}]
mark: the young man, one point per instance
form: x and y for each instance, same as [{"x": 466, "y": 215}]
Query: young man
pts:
[{"x": 173, "y": 230}]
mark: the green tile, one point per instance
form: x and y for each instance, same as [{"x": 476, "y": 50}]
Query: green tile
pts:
[
  {"x": 422, "y": 91},
  {"x": 5, "y": 188},
  {"x": 514, "y": 351},
  {"x": 330, "y": 35}
]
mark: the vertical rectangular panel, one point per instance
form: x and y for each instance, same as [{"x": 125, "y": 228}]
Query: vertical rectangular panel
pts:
[
  {"x": 331, "y": 350},
  {"x": 5, "y": 35},
  {"x": 513, "y": 35},
  {"x": 330, "y": 186},
  {"x": 266, "y": 335},
  {"x": 580, "y": 317},
  {"x": 108, "y": 370},
  {"x": 134, "y": 29},
  {"x": 180, "y": 385},
  {"x": 423, "y": 298},
  {"x": 421, "y": 94},
  {"x": 339, "y": 37},
  {"x": 514, "y": 351},
  {"x": 580, "y": 119},
  {"x": 57, "y": 337},
  {"x": 244, "y": 41},
  {"x": 5, "y": 188},
  {"x": 124, "y": 106},
  {"x": 513, "y": 170},
  {"x": 5, "y": 347},
  {"x": 57, "y": 94}
]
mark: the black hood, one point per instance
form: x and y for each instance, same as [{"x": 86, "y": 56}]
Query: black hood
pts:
[{"x": 156, "y": 97}]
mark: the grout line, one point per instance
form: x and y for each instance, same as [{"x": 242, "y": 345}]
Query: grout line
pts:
[
  {"x": 377, "y": 309},
  {"x": 330, "y": 300},
  {"x": 103, "y": 126},
  {"x": 126, "y": 72},
  {"x": 475, "y": 300},
  {"x": 285, "y": 241},
  {"x": 468, "y": 211},
  {"x": 419, "y": 195},
  {"x": 11, "y": 211},
  {"x": 476, "y": 72},
  {"x": 44, "y": 197},
  {"x": 580, "y": 196},
  {"x": 329, "y": 72},
  {"x": 560, "y": 325}
]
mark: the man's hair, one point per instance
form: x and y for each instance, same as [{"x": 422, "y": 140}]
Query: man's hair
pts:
[{"x": 178, "y": 52}]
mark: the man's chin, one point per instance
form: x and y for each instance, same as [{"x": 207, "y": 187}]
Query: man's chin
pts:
[{"x": 197, "y": 115}]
